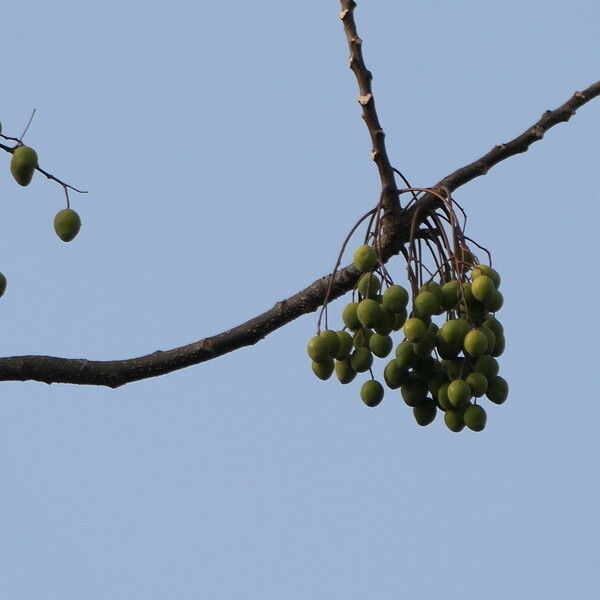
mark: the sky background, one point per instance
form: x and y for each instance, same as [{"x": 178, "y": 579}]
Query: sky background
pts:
[{"x": 226, "y": 160}]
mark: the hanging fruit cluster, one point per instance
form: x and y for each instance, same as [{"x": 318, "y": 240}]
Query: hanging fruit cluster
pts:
[
  {"x": 23, "y": 165},
  {"x": 447, "y": 367}
]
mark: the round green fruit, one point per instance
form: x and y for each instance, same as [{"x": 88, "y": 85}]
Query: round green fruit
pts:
[
  {"x": 453, "y": 331},
  {"x": 426, "y": 345},
  {"x": 369, "y": 285},
  {"x": 426, "y": 303},
  {"x": 454, "y": 420},
  {"x": 450, "y": 294},
  {"x": 380, "y": 345},
  {"x": 2, "y": 284},
  {"x": 494, "y": 325},
  {"x": 475, "y": 417},
  {"x": 436, "y": 381},
  {"x": 497, "y": 390},
  {"x": 425, "y": 412},
  {"x": 414, "y": 391},
  {"x": 369, "y": 313},
  {"x": 388, "y": 321},
  {"x": 323, "y": 370},
  {"x": 361, "y": 360},
  {"x": 442, "y": 397},
  {"x": 478, "y": 383},
  {"x": 496, "y": 302},
  {"x": 344, "y": 371},
  {"x": 483, "y": 288},
  {"x": 405, "y": 355},
  {"x": 499, "y": 346},
  {"x": 67, "y": 224},
  {"x": 487, "y": 366},
  {"x": 475, "y": 343},
  {"x": 393, "y": 375},
  {"x": 457, "y": 368},
  {"x": 349, "y": 316},
  {"x": 371, "y": 393},
  {"x": 345, "y": 340},
  {"x": 362, "y": 337},
  {"x": 400, "y": 320},
  {"x": 395, "y": 299},
  {"x": 414, "y": 330},
  {"x": 480, "y": 270},
  {"x": 365, "y": 258},
  {"x": 318, "y": 349},
  {"x": 23, "y": 164},
  {"x": 459, "y": 393},
  {"x": 333, "y": 341}
]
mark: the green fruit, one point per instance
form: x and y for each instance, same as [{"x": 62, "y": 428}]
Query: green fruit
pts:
[
  {"x": 454, "y": 420},
  {"x": 67, "y": 224},
  {"x": 393, "y": 375},
  {"x": 371, "y": 393},
  {"x": 405, "y": 355},
  {"x": 483, "y": 288},
  {"x": 475, "y": 417},
  {"x": 446, "y": 351},
  {"x": 343, "y": 371},
  {"x": 457, "y": 368},
  {"x": 425, "y": 367},
  {"x": 497, "y": 390},
  {"x": 496, "y": 302},
  {"x": 2, "y": 284},
  {"x": 491, "y": 338},
  {"x": 478, "y": 383},
  {"x": 435, "y": 289},
  {"x": 425, "y": 412},
  {"x": 369, "y": 313},
  {"x": 426, "y": 345},
  {"x": 426, "y": 303},
  {"x": 345, "y": 340},
  {"x": 361, "y": 360},
  {"x": 323, "y": 370},
  {"x": 414, "y": 391},
  {"x": 494, "y": 325},
  {"x": 450, "y": 294},
  {"x": 475, "y": 343},
  {"x": 395, "y": 299},
  {"x": 362, "y": 337},
  {"x": 487, "y": 366},
  {"x": 459, "y": 393},
  {"x": 499, "y": 346},
  {"x": 400, "y": 320},
  {"x": 333, "y": 341},
  {"x": 436, "y": 381},
  {"x": 365, "y": 258},
  {"x": 387, "y": 322},
  {"x": 442, "y": 398},
  {"x": 349, "y": 316},
  {"x": 23, "y": 164},
  {"x": 414, "y": 330},
  {"x": 380, "y": 345},
  {"x": 369, "y": 285},
  {"x": 453, "y": 331},
  {"x": 480, "y": 270},
  {"x": 318, "y": 349}
]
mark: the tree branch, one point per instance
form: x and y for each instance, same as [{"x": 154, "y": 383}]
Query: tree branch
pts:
[{"x": 115, "y": 373}]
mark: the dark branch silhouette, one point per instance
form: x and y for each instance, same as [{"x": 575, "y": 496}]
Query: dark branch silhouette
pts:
[{"x": 398, "y": 223}]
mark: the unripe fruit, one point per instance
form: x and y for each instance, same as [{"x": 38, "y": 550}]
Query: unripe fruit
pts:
[
  {"x": 371, "y": 393},
  {"x": 435, "y": 289},
  {"x": 478, "y": 383},
  {"x": 343, "y": 371},
  {"x": 491, "y": 339},
  {"x": 436, "y": 381},
  {"x": 457, "y": 368},
  {"x": 362, "y": 337},
  {"x": 365, "y": 258},
  {"x": 400, "y": 320},
  {"x": 488, "y": 366},
  {"x": 453, "y": 331},
  {"x": 426, "y": 345},
  {"x": 414, "y": 330},
  {"x": 483, "y": 288},
  {"x": 442, "y": 397},
  {"x": 23, "y": 164},
  {"x": 2, "y": 284},
  {"x": 361, "y": 360},
  {"x": 369, "y": 285},
  {"x": 345, "y": 347},
  {"x": 425, "y": 412},
  {"x": 395, "y": 299},
  {"x": 323, "y": 370},
  {"x": 405, "y": 355},
  {"x": 454, "y": 420},
  {"x": 459, "y": 393},
  {"x": 494, "y": 325},
  {"x": 333, "y": 342},
  {"x": 497, "y": 390},
  {"x": 67, "y": 224},
  {"x": 369, "y": 313},
  {"x": 475, "y": 343},
  {"x": 380, "y": 345},
  {"x": 349, "y": 316},
  {"x": 450, "y": 294},
  {"x": 425, "y": 367},
  {"x": 393, "y": 375},
  {"x": 475, "y": 417},
  {"x": 499, "y": 346},
  {"x": 388, "y": 321},
  {"x": 414, "y": 391},
  {"x": 318, "y": 349},
  {"x": 445, "y": 350},
  {"x": 480, "y": 270},
  {"x": 496, "y": 302},
  {"x": 426, "y": 303}
]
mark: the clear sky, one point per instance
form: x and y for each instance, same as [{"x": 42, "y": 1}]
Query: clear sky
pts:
[{"x": 226, "y": 158}]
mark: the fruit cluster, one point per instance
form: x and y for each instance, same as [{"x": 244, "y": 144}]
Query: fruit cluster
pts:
[{"x": 445, "y": 368}]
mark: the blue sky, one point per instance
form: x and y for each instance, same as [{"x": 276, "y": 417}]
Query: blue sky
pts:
[{"x": 226, "y": 160}]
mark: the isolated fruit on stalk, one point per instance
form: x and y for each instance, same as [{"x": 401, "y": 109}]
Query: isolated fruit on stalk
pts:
[
  {"x": 67, "y": 224},
  {"x": 371, "y": 393},
  {"x": 23, "y": 163},
  {"x": 365, "y": 258}
]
